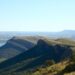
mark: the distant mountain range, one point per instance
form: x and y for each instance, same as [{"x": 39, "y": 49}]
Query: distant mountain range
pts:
[{"x": 65, "y": 33}]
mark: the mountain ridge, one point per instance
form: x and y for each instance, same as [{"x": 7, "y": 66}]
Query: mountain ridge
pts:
[
  {"x": 14, "y": 47},
  {"x": 37, "y": 55}
]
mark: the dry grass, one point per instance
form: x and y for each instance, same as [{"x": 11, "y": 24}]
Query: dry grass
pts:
[
  {"x": 72, "y": 73},
  {"x": 52, "y": 70}
]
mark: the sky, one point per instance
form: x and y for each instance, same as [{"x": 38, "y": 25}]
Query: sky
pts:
[{"x": 37, "y": 15}]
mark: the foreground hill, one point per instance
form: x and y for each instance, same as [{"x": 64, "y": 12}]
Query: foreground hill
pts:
[{"x": 43, "y": 51}]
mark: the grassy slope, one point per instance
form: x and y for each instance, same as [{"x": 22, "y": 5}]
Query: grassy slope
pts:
[
  {"x": 14, "y": 47},
  {"x": 48, "y": 69}
]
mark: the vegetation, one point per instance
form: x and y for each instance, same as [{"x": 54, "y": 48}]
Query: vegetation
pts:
[{"x": 47, "y": 57}]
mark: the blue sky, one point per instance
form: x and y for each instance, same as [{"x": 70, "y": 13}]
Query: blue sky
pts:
[{"x": 37, "y": 15}]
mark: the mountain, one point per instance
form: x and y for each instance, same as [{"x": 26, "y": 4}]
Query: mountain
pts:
[
  {"x": 23, "y": 54},
  {"x": 60, "y": 34},
  {"x": 64, "y": 34},
  {"x": 19, "y": 44},
  {"x": 44, "y": 50},
  {"x": 5, "y": 36},
  {"x": 14, "y": 47}
]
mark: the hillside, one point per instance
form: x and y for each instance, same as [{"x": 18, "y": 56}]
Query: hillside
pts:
[
  {"x": 36, "y": 57},
  {"x": 14, "y": 47}
]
